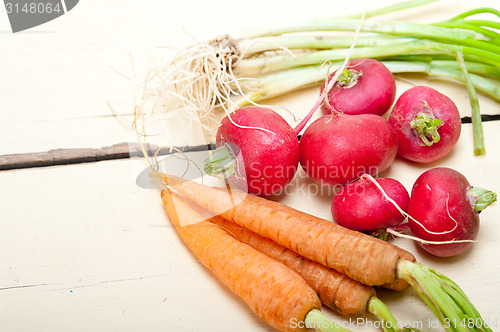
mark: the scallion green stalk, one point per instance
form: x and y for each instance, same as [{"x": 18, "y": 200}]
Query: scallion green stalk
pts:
[
  {"x": 392, "y": 8},
  {"x": 397, "y": 28}
]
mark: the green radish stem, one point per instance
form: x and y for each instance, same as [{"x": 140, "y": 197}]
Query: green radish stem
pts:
[
  {"x": 481, "y": 198},
  {"x": 477, "y": 128},
  {"x": 426, "y": 126},
  {"x": 330, "y": 81},
  {"x": 482, "y": 84},
  {"x": 472, "y": 67},
  {"x": 443, "y": 296},
  {"x": 407, "y": 29},
  {"x": 223, "y": 74},
  {"x": 316, "y": 320},
  {"x": 476, "y": 25},
  {"x": 485, "y": 23}
]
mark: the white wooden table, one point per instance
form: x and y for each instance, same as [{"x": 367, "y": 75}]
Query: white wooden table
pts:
[{"x": 83, "y": 248}]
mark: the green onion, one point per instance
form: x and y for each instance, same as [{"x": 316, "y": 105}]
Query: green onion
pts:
[
  {"x": 286, "y": 81},
  {"x": 215, "y": 77}
]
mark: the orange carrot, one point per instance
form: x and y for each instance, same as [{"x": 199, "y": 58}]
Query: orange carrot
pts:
[
  {"x": 274, "y": 292},
  {"x": 334, "y": 289},
  {"x": 362, "y": 257}
]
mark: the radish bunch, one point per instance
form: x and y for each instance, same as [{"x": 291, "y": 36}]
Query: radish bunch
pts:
[{"x": 443, "y": 210}]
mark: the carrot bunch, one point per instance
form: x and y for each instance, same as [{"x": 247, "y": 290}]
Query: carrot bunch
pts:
[
  {"x": 317, "y": 250},
  {"x": 275, "y": 293}
]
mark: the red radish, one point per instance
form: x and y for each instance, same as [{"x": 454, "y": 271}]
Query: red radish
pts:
[
  {"x": 445, "y": 207},
  {"x": 268, "y": 151},
  {"x": 427, "y": 122},
  {"x": 337, "y": 149},
  {"x": 366, "y": 86},
  {"x": 361, "y": 205}
]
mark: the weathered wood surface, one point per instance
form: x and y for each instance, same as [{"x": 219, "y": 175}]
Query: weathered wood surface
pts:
[{"x": 84, "y": 248}]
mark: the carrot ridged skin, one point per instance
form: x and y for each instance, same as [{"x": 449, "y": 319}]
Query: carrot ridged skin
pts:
[
  {"x": 335, "y": 290},
  {"x": 362, "y": 257},
  {"x": 275, "y": 293}
]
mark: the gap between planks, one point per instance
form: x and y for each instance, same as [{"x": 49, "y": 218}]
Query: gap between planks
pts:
[{"x": 113, "y": 152}]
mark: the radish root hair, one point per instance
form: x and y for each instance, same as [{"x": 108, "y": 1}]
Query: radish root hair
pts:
[
  {"x": 155, "y": 170},
  {"x": 395, "y": 233},
  {"x": 198, "y": 82},
  {"x": 398, "y": 234}
]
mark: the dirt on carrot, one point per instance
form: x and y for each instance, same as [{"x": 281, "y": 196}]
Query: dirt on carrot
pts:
[{"x": 363, "y": 258}]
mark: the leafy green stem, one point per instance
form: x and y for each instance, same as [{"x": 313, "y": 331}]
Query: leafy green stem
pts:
[
  {"x": 316, "y": 320},
  {"x": 397, "y": 28},
  {"x": 259, "y": 66},
  {"x": 444, "y": 297},
  {"x": 475, "y": 11},
  {"x": 285, "y": 81},
  {"x": 477, "y": 126},
  {"x": 392, "y": 8}
]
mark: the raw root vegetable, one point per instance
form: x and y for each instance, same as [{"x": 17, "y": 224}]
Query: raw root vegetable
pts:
[
  {"x": 275, "y": 293},
  {"x": 337, "y": 149},
  {"x": 257, "y": 148},
  {"x": 427, "y": 123},
  {"x": 361, "y": 206},
  {"x": 360, "y": 256},
  {"x": 445, "y": 208},
  {"x": 366, "y": 86},
  {"x": 305, "y": 234},
  {"x": 335, "y": 290}
]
